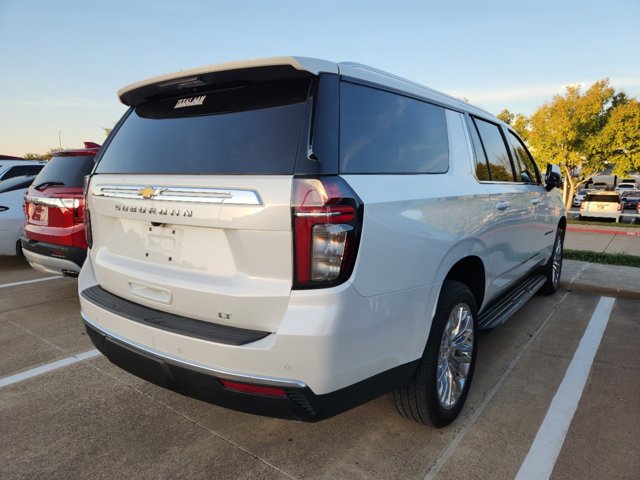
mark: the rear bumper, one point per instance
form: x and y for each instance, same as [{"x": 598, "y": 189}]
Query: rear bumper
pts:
[
  {"x": 52, "y": 258},
  {"x": 203, "y": 382}
]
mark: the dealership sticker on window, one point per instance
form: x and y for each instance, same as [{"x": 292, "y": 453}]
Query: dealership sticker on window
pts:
[{"x": 190, "y": 102}]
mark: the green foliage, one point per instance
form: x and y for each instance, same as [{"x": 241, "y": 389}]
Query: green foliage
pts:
[
  {"x": 584, "y": 133},
  {"x": 619, "y": 139},
  {"x": 41, "y": 156},
  {"x": 600, "y": 257},
  {"x": 518, "y": 121}
]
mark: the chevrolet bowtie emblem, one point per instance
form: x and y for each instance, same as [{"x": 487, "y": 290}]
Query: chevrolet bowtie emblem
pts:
[{"x": 148, "y": 192}]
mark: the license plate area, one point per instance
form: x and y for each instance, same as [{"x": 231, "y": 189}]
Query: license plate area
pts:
[
  {"x": 163, "y": 243},
  {"x": 39, "y": 214}
]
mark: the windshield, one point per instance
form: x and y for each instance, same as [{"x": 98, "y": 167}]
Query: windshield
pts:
[{"x": 245, "y": 129}]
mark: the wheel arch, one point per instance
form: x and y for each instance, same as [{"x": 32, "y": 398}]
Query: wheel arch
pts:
[{"x": 471, "y": 272}]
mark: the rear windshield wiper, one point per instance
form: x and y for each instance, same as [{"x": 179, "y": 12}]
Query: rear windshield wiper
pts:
[{"x": 47, "y": 184}]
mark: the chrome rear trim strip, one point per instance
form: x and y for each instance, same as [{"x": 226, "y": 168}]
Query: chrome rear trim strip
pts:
[
  {"x": 184, "y": 363},
  {"x": 181, "y": 194}
]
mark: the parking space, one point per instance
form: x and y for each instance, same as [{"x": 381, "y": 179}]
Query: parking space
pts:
[{"x": 90, "y": 419}]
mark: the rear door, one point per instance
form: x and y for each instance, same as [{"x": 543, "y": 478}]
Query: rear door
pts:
[
  {"x": 191, "y": 203},
  {"x": 511, "y": 241},
  {"x": 543, "y": 224}
]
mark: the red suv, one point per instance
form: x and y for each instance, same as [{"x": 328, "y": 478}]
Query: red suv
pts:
[{"x": 54, "y": 240}]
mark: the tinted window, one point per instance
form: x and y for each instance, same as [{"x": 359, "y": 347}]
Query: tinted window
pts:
[
  {"x": 15, "y": 183},
  {"x": 247, "y": 129},
  {"x": 65, "y": 171},
  {"x": 525, "y": 166},
  {"x": 482, "y": 167},
  {"x": 22, "y": 170},
  {"x": 381, "y": 132},
  {"x": 603, "y": 198},
  {"x": 496, "y": 150}
]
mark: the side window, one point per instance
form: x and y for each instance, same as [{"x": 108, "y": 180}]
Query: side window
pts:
[
  {"x": 525, "y": 166},
  {"x": 13, "y": 172},
  {"x": 482, "y": 167},
  {"x": 22, "y": 170},
  {"x": 382, "y": 132},
  {"x": 500, "y": 167}
]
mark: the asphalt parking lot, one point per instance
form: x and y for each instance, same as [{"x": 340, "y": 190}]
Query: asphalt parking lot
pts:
[{"x": 89, "y": 419}]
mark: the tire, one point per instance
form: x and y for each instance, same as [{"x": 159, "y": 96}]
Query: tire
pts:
[
  {"x": 553, "y": 268},
  {"x": 421, "y": 399}
]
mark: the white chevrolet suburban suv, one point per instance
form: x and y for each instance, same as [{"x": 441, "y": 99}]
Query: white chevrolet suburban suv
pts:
[{"x": 293, "y": 237}]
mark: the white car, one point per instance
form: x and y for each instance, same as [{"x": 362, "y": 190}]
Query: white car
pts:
[
  {"x": 580, "y": 196},
  {"x": 12, "y": 213},
  {"x": 602, "y": 205},
  {"x": 293, "y": 237},
  {"x": 624, "y": 187}
]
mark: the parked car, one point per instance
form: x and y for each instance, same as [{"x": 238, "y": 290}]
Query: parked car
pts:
[
  {"x": 623, "y": 187},
  {"x": 601, "y": 205},
  {"x": 12, "y": 213},
  {"x": 293, "y": 237},
  {"x": 630, "y": 199},
  {"x": 54, "y": 239},
  {"x": 580, "y": 196},
  {"x": 19, "y": 168},
  {"x": 601, "y": 186}
]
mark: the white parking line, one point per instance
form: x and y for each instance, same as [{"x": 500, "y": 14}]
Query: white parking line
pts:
[
  {"x": 30, "y": 281},
  {"x": 434, "y": 470},
  {"x": 545, "y": 449},
  {"x": 18, "y": 377}
]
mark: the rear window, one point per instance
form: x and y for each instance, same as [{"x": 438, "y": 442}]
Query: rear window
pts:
[
  {"x": 603, "y": 198},
  {"x": 65, "y": 171},
  {"x": 382, "y": 132},
  {"x": 240, "y": 129}
]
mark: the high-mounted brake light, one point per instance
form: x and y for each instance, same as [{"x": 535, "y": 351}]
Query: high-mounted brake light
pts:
[
  {"x": 327, "y": 216},
  {"x": 86, "y": 216}
]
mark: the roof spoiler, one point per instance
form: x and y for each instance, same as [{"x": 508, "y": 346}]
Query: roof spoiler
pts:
[{"x": 192, "y": 80}]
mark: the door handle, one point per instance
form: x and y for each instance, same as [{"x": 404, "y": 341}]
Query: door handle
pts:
[
  {"x": 502, "y": 205},
  {"x": 535, "y": 201}
]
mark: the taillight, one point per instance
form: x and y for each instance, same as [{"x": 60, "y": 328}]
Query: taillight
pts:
[
  {"x": 619, "y": 207},
  {"x": 86, "y": 215},
  {"x": 327, "y": 216}
]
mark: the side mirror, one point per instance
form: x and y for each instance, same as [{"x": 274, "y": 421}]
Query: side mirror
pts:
[{"x": 553, "y": 178}]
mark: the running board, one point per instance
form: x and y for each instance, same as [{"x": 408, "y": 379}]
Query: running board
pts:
[{"x": 500, "y": 312}]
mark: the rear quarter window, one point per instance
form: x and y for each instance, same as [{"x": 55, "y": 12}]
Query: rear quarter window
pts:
[{"x": 383, "y": 132}]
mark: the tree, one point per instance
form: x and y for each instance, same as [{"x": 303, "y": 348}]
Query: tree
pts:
[
  {"x": 518, "y": 121},
  {"x": 563, "y": 132},
  {"x": 41, "y": 156},
  {"x": 619, "y": 139}
]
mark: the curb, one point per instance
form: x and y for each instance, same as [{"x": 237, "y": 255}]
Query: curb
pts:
[
  {"x": 607, "y": 232},
  {"x": 577, "y": 286}
]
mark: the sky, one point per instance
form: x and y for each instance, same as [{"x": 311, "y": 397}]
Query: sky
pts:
[{"x": 62, "y": 62}]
